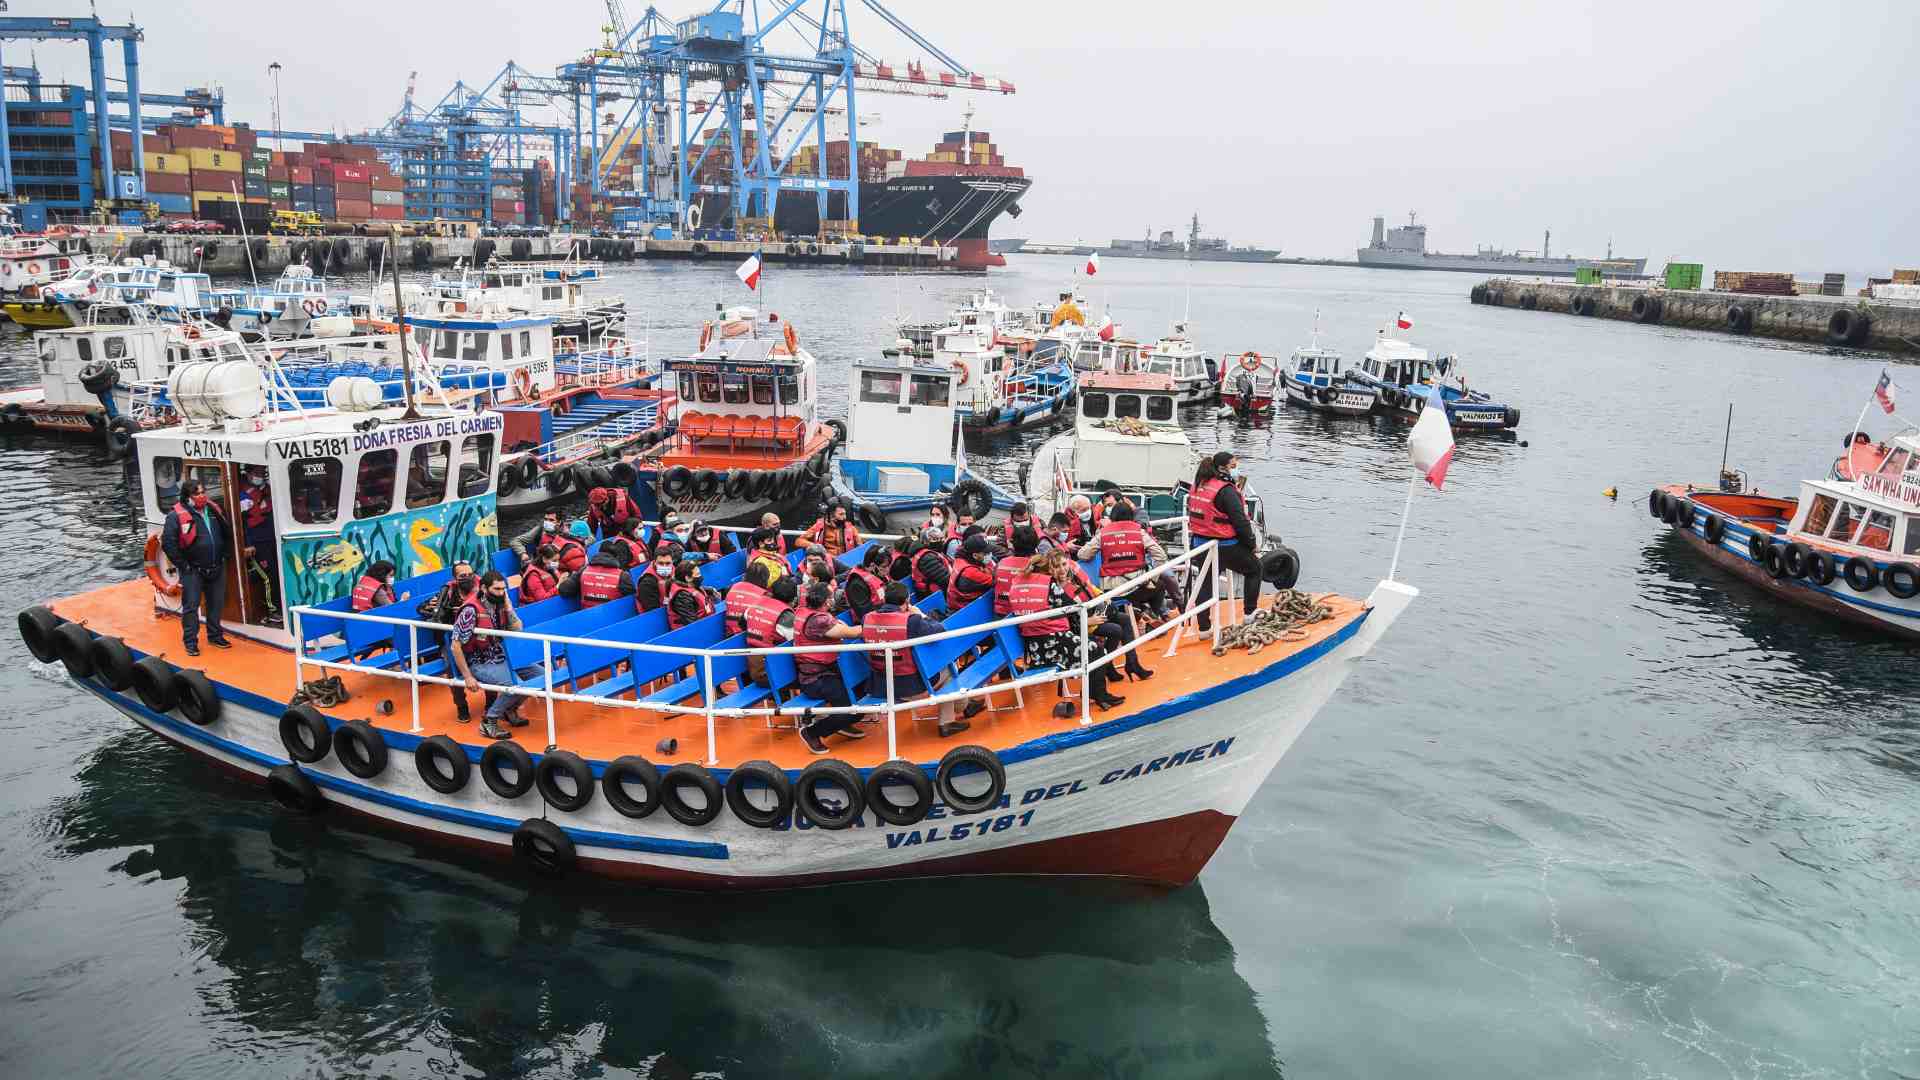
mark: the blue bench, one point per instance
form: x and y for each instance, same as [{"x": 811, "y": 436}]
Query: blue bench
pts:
[
  {"x": 583, "y": 623},
  {"x": 854, "y": 671},
  {"x": 695, "y": 684},
  {"x": 646, "y": 667},
  {"x": 315, "y": 627},
  {"x": 583, "y": 661}
]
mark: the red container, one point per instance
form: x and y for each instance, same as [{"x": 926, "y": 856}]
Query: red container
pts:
[
  {"x": 220, "y": 181},
  {"x": 350, "y": 174},
  {"x": 389, "y": 213},
  {"x": 189, "y": 138},
  {"x": 389, "y": 183},
  {"x": 343, "y": 189},
  {"x": 299, "y": 174},
  {"x": 352, "y": 209},
  {"x": 323, "y": 174},
  {"x": 276, "y": 172},
  {"x": 159, "y": 183}
]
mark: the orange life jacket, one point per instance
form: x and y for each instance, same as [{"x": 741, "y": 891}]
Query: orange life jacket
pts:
[
  {"x": 1204, "y": 518},
  {"x": 365, "y": 590}
]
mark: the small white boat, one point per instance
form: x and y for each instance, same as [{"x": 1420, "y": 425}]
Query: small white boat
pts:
[{"x": 903, "y": 453}]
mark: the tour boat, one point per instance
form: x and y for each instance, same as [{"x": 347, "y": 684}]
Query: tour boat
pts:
[
  {"x": 903, "y": 454},
  {"x": 995, "y": 392},
  {"x": 169, "y": 293},
  {"x": 297, "y": 304},
  {"x": 1847, "y": 547},
  {"x": 1315, "y": 381},
  {"x": 649, "y": 756},
  {"x": 28, "y": 262},
  {"x": 561, "y": 289},
  {"x": 1405, "y": 376},
  {"x": 1196, "y": 378},
  {"x": 747, "y": 436}
]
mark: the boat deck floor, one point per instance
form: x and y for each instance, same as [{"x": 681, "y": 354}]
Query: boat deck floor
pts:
[{"x": 602, "y": 733}]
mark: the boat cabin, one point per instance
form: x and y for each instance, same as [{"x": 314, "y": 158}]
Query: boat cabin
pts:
[
  {"x": 755, "y": 393},
  {"x": 117, "y": 334},
  {"x": 901, "y": 432},
  {"x": 1119, "y": 356},
  {"x": 981, "y": 365},
  {"x": 1393, "y": 362},
  {"x": 344, "y": 488},
  {"x": 1315, "y": 366},
  {"x": 1880, "y": 514},
  {"x": 1128, "y": 431},
  {"x": 453, "y": 347},
  {"x": 1178, "y": 358},
  {"x": 525, "y": 287}
]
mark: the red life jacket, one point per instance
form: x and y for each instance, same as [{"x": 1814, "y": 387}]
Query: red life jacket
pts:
[
  {"x": 1031, "y": 595},
  {"x": 712, "y": 547},
  {"x": 573, "y": 554},
  {"x": 1007, "y": 528},
  {"x": 1204, "y": 518},
  {"x": 969, "y": 582},
  {"x": 1078, "y": 530},
  {"x": 1081, "y": 587},
  {"x": 809, "y": 629},
  {"x": 189, "y": 524},
  {"x": 663, "y": 582},
  {"x": 599, "y": 584},
  {"x": 482, "y": 648},
  {"x": 1004, "y": 574},
  {"x": 537, "y": 584},
  {"x": 1123, "y": 549},
  {"x": 620, "y": 508},
  {"x": 922, "y": 586},
  {"x": 674, "y": 622},
  {"x": 261, "y": 511},
  {"x": 876, "y": 588},
  {"x": 636, "y": 552},
  {"x": 741, "y": 595},
  {"x": 365, "y": 590},
  {"x": 888, "y": 626},
  {"x": 763, "y": 621}
]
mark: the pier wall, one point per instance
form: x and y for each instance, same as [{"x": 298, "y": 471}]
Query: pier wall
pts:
[
  {"x": 1890, "y": 326},
  {"x": 229, "y": 255}
]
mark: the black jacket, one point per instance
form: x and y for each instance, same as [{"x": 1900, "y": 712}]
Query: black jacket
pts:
[
  {"x": 1228, "y": 501},
  {"x": 210, "y": 546}
]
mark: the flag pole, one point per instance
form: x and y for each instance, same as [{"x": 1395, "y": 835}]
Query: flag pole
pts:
[
  {"x": 1413, "y": 482},
  {"x": 1851, "y": 443}
]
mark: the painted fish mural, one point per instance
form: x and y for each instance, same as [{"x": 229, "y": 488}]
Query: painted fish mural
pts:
[{"x": 316, "y": 569}]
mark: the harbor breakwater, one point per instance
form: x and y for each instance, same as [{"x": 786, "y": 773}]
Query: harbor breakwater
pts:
[{"x": 1844, "y": 321}]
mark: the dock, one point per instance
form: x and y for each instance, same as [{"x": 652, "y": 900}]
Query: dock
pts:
[
  {"x": 1841, "y": 321},
  {"x": 239, "y": 256}
]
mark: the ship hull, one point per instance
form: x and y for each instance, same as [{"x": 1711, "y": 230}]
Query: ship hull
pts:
[
  {"x": 953, "y": 210},
  {"x": 1383, "y": 259},
  {"x": 1255, "y": 256}
]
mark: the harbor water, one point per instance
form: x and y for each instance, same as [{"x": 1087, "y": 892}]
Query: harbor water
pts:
[{"x": 1593, "y": 809}]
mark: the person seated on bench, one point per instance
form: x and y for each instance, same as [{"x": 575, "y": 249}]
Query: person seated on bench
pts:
[
  {"x": 819, "y": 672},
  {"x": 708, "y": 542},
  {"x": 769, "y": 622},
  {"x": 1026, "y": 541},
  {"x": 631, "y": 542},
  {"x": 1055, "y": 641},
  {"x": 542, "y": 577},
  {"x": 742, "y": 595},
  {"x": 651, "y": 590},
  {"x": 688, "y": 601},
  {"x": 866, "y": 587},
  {"x": 897, "y": 620},
  {"x": 604, "y": 578}
]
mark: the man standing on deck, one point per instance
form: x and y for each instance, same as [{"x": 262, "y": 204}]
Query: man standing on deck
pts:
[
  {"x": 197, "y": 538},
  {"x": 481, "y": 657},
  {"x": 262, "y": 555}
]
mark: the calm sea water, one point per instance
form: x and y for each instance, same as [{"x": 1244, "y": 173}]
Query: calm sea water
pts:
[{"x": 1592, "y": 809}]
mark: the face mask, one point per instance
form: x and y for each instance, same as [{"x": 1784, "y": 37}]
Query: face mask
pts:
[
  {"x": 552, "y": 565},
  {"x": 1086, "y": 515},
  {"x": 550, "y": 526},
  {"x": 1061, "y": 535},
  {"x": 694, "y": 581},
  {"x": 663, "y": 569},
  {"x": 200, "y": 502}
]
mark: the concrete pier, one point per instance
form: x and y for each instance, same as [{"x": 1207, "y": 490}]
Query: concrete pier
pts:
[
  {"x": 229, "y": 255},
  {"x": 1844, "y": 321}
]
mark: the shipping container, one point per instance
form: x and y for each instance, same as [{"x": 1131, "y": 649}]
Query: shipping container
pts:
[
  {"x": 1684, "y": 275},
  {"x": 256, "y": 187},
  {"x": 353, "y": 209},
  {"x": 389, "y": 213},
  {"x": 159, "y": 183},
  {"x": 381, "y": 197},
  {"x": 349, "y": 190},
  {"x": 215, "y": 180},
  {"x": 1586, "y": 275},
  {"x": 279, "y": 189},
  {"x": 214, "y": 196},
  {"x": 261, "y": 157},
  {"x": 300, "y": 174},
  {"x": 171, "y": 203},
  {"x": 350, "y": 173}
]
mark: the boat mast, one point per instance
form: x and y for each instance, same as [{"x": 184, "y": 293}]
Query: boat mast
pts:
[{"x": 400, "y": 328}]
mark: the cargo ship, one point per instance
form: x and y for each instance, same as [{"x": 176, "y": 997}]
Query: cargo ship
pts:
[
  {"x": 1404, "y": 247},
  {"x": 1195, "y": 247},
  {"x": 950, "y": 197}
]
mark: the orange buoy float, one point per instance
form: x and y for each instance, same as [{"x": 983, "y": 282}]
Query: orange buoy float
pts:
[
  {"x": 158, "y": 571},
  {"x": 1250, "y": 361}
]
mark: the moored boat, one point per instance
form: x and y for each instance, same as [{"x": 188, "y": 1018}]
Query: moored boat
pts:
[
  {"x": 1196, "y": 377},
  {"x": 903, "y": 454},
  {"x": 1314, "y": 380},
  {"x": 1405, "y": 376}
]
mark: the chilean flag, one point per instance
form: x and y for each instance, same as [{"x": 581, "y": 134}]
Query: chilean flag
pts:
[
  {"x": 1404, "y": 323},
  {"x": 1093, "y": 264},
  {"x": 1883, "y": 392},
  {"x": 1431, "y": 442},
  {"x": 1106, "y": 328},
  {"x": 749, "y": 271}
]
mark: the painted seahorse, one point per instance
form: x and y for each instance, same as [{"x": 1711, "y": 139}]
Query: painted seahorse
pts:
[{"x": 425, "y": 558}]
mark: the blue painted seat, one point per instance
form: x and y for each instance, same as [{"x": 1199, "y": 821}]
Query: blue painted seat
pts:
[
  {"x": 782, "y": 672},
  {"x": 694, "y": 685},
  {"x": 584, "y": 661},
  {"x": 315, "y": 627},
  {"x": 645, "y": 667},
  {"x": 584, "y": 623}
]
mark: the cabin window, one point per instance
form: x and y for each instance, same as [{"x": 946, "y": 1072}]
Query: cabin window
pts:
[
  {"x": 789, "y": 390},
  {"x": 116, "y": 348},
  {"x": 473, "y": 348},
  {"x": 373, "y": 488},
  {"x": 476, "y": 465},
  {"x": 733, "y": 389},
  {"x": 1895, "y": 464},
  {"x": 709, "y": 386},
  {"x": 1159, "y": 407},
  {"x": 1846, "y": 521},
  {"x": 1878, "y": 531},
  {"x": 763, "y": 389},
  {"x": 506, "y": 346},
  {"x": 686, "y": 386},
  {"x": 446, "y": 345},
  {"x": 423, "y": 337},
  {"x": 1126, "y": 406},
  {"x": 880, "y": 387},
  {"x": 1913, "y": 534},
  {"x": 552, "y": 292},
  {"x": 86, "y": 350},
  {"x": 526, "y": 343},
  {"x": 314, "y": 495},
  {"x": 166, "y": 481},
  {"x": 427, "y": 474},
  {"x": 929, "y": 390},
  {"x": 1820, "y": 514},
  {"x": 1093, "y": 406}
]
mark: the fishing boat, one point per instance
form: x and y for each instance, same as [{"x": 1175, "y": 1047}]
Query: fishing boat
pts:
[
  {"x": 562, "y": 289},
  {"x": 168, "y": 293},
  {"x": 747, "y": 437},
  {"x": 1057, "y": 328},
  {"x": 1849, "y": 548},
  {"x": 1196, "y": 378},
  {"x": 1314, "y": 381},
  {"x": 1405, "y": 377},
  {"x": 904, "y": 453},
  {"x": 30, "y": 261},
  {"x": 994, "y": 392},
  {"x": 297, "y": 304},
  {"x": 1251, "y": 383},
  {"x": 650, "y": 756}
]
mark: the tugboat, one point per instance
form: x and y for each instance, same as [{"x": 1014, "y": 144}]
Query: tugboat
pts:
[
  {"x": 1849, "y": 548},
  {"x": 903, "y": 453},
  {"x": 747, "y": 438},
  {"x": 1404, "y": 376},
  {"x": 1316, "y": 382},
  {"x": 651, "y": 755}
]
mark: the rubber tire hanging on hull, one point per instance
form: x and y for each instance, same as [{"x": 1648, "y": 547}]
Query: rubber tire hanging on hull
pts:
[
  {"x": 545, "y": 847},
  {"x": 295, "y": 790},
  {"x": 677, "y": 806},
  {"x": 981, "y": 758},
  {"x": 769, "y": 776}
]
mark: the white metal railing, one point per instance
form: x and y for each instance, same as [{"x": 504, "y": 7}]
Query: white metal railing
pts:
[{"x": 1206, "y": 557}]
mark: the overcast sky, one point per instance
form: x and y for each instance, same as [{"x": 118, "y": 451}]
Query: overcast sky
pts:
[{"x": 1753, "y": 135}]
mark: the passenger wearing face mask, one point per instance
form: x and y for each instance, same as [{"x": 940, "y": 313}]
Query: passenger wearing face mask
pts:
[
  {"x": 196, "y": 538},
  {"x": 931, "y": 567},
  {"x": 769, "y": 550},
  {"x": 651, "y": 590},
  {"x": 688, "y": 601},
  {"x": 603, "y": 579},
  {"x": 443, "y": 608},
  {"x": 1058, "y": 535},
  {"x": 709, "y": 542},
  {"x": 546, "y": 532},
  {"x": 1216, "y": 512},
  {"x": 541, "y": 581},
  {"x": 940, "y": 521},
  {"x": 630, "y": 542},
  {"x": 1083, "y": 519}
]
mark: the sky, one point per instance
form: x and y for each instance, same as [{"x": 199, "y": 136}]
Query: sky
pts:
[{"x": 1756, "y": 135}]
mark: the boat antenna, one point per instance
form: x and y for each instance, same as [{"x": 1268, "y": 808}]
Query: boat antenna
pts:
[
  {"x": 246, "y": 245},
  {"x": 1727, "y": 443},
  {"x": 400, "y": 329}
]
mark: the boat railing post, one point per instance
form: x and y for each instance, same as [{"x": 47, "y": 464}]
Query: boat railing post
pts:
[
  {"x": 1213, "y": 569},
  {"x": 546, "y": 667},
  {"x": 892, "y": 736},
  {"x": 413, "y": 674},
  {"x": 299, "y": 652},
  {"x": 706, "y": 670},
  {"x": 1086, "y": 673}
]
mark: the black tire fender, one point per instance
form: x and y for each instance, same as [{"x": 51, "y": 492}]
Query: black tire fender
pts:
[
  {"x": 154, "y": 683},
  {"x": 1901, "y": 580},
  {"x": 294, "y": 789},
  {"x": 37, "y": 625},
  {"x": 508, "y": 480},
  {"x": 981, "y": 758},
  {"x": 199, "y": 701},
  {"x": 774, "y": 779},
  {"x": 1739, "y": 318},
  {"x": 1819, "y": 567},
  {"x": 631, "y": 770},
  {"x": 436, "y": 751},
  {"x": 75, "y": 647},
  {"x": 1757, "y": 547},
  {"x": 675, "y": 481},
  {"x": 974, "y": 496},
  {"x": 871, "y": 518},
  {"x": 600, "y": 475},
  {"x": 820, "y": 774},
  {"x": 1280, "y": 567},
  {"x": 501, "y": 756},
  {"x": 1656, "y": 500},
  {"x": 113, "y": 663},
  {"x": 119, "y": 436},
  {"x": 737, "y": 483},
  {"x": 1776, "y": 560},
  {"x": 304, "y": 734},
  {"x": 623, "y": 475},
  {"x": 360, "y": 749},
  {"x": 1716, "y": 529},
  {"x": 555, "y": 764},
  {"x": 895, "y": 773},
  {"x": 1680, "y": 512},
  {"x": 706, "y": 484},
  {"x": 1793, "y": 557},
  {"x": 1861, "y": 574},
  {"x": 545, "y": 847},
  {"x": 685, "y": 775}
]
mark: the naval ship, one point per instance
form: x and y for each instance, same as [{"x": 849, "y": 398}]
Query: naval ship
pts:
[
  {"x": 1195, "y": 247},
  {"x": 1404, "y": 247}
]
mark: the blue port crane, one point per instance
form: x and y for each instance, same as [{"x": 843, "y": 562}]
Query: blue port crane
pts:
[{"x": 126, "y": 189}]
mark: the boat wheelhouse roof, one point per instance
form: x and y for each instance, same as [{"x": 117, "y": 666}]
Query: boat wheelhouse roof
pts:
[
  {"x": 1138, "y": 382},
  {"x": 770, "y": 350},
  {"x": 479, "y": 322},
  {"x": 905, "y": 363}
]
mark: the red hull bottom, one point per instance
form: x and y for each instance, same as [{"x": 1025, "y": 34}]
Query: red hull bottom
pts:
[{"x": 974, "y": 255}]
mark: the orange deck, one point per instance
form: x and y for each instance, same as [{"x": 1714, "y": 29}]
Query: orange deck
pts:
[{"x": 603, "y": 733}]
